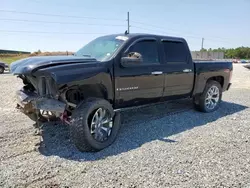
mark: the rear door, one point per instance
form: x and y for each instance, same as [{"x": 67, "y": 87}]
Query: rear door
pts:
[
  {"x": 179, "y": 68},
  {"x": 143, "y": 83}
]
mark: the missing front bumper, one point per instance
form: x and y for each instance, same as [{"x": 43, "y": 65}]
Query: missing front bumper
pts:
[{"x": 29, "y": 102}]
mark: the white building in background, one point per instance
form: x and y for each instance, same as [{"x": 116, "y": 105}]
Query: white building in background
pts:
[{"x": 207, "y": 55}]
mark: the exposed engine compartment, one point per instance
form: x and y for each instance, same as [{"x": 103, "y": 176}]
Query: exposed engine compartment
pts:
[
  {"x": 45, "y": 87},
  {"x": 39, "y": 98}
]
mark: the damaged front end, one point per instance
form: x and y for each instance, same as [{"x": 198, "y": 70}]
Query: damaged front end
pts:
[
  {"x": 38, "y": 99},
  {"x": 46, "y": 80}
]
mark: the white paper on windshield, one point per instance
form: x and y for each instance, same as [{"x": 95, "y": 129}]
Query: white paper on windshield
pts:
[{"x": 121, "y": 38}]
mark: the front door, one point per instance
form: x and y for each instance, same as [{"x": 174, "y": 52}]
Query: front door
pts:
[{"x": 143, "y": 83}]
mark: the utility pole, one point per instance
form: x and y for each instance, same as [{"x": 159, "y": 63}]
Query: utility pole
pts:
[
  {"x": 202, "y": 41},
  {"x": 128, "y": 22}
]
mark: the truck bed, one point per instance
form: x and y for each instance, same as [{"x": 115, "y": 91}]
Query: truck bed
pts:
[{"x": 206, "y": 66}]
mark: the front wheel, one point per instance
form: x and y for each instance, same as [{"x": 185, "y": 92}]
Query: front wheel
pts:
[
  {"x": 1, "y": 70},
  {"x": 210, "y": 99},
  {"x": 94, "y": 125}
]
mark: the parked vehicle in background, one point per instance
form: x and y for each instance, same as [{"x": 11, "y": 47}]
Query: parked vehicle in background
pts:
[
  {"x": 243, "y": 61},
  {"x": 114, "y": 73},
  {"x": 3, "y": 67},
  {"x": 235, "y": 61}
]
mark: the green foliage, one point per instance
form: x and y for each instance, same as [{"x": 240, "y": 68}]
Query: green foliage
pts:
[
  {"x": 240, "y": 52},
  {"x": 203, "y": 50}
]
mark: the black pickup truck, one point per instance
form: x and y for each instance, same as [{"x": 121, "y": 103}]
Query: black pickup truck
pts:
[{"x": 113, "y": 73}]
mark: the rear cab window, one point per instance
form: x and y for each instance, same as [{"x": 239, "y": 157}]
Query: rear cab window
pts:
[{"x": 175, "y": 52}]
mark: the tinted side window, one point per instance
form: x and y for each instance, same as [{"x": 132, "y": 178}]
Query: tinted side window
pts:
[
  {"x": 148, "y": 50},
  {"x": 175, "y": 52}
]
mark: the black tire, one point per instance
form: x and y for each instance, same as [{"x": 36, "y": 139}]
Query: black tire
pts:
[
  {"x": 1, "y": 70},
  {"x": 199, "y": 101},
  {"x": 79, "y": 128}
]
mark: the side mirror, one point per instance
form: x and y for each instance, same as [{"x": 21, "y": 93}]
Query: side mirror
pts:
[{"x": 133, "y": 59}]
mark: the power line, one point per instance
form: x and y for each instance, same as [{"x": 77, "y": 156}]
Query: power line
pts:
[
  {"x": 51, "y": 37},
  {"x": 95, "y": 18},
  {"x": 58, "y": 15},
  {"x": 160, "y": 31},
  {"x": 49, "y": 32},
  {"x": 143, "y": 23},
  {"x": 154, "y": 26},
  {"x": 114, "y": 25},
  {"x": 186, "y": 36},
  {"x": 55, "y": 22},
  {"x": 167, "y": 29},
  {"x": 54, "y": 3},
  {"x": 189, "y": 36}
]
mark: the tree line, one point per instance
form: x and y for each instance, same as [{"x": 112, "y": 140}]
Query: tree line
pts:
[{"x": 240, "y": 52}]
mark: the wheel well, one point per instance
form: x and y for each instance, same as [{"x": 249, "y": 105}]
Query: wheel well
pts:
[
  {"x": 77, "y": 94},
  {"x": 219, "y": 79}
]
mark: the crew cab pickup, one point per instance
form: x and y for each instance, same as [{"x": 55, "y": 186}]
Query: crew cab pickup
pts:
[{"x": 113, "y": 73}]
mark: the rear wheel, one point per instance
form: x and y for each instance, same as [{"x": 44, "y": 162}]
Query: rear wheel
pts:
[
  {"x": 94, "y": 125},
  {"x": 210, "y": 99}
]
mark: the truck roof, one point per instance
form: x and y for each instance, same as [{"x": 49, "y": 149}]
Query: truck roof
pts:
[{"x": 132, "y": 35}]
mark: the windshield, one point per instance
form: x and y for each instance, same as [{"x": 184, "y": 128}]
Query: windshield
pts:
[{"x": 102, "y": 48}]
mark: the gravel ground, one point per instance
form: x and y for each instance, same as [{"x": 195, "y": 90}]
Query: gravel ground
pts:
[{"x": 168, "y": 145}]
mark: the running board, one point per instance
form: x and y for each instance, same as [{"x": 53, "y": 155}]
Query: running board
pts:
[{"x": 147, "y": 105}]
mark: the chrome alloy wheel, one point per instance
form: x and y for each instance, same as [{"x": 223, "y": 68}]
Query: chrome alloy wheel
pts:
[
  {"x": 212, "y": 97},
  {"x": 101, "y": 125}
]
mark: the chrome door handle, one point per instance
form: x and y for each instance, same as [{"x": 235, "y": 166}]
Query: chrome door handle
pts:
[
  {"x": 157, "y": 72},
  {"x": 187, "y": 70}
]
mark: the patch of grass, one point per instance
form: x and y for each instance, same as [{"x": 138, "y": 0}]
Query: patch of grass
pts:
[{"x": 9, "y": 60}]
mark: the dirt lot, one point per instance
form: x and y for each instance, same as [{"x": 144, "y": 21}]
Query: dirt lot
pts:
[{"x": 168, "y": 145}]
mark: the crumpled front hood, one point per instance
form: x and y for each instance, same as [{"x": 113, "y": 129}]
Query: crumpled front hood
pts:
[{"x": 28, "y": 65}]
